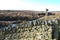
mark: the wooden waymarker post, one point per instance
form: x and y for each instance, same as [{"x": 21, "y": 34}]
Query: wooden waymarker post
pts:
[{"x": 46, "y": 16}]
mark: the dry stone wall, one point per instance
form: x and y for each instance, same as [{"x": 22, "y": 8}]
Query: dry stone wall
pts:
[
  {"x": 30, "y": 30},
  {"x": 31, "y": 33}
]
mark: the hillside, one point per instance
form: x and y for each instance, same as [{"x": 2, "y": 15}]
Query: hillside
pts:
[{"x": 33, "y": 28}]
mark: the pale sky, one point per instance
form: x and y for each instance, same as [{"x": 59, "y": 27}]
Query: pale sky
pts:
[{"x": 38, "y": 5}]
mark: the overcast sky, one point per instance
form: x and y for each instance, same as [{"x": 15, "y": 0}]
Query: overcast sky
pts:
[{"x": 38, "y": 5}]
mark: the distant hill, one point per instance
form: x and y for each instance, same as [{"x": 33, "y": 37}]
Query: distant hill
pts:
[{"x": 21, "y": 14}]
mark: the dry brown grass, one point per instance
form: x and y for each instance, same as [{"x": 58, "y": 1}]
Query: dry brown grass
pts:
[{"x": 51, "y": 17}]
